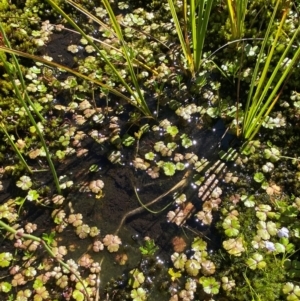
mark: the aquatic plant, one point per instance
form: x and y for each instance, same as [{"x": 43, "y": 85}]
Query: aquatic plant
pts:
[
  {"x": 137, "y": 96},
  {"x": 237, "y": 11},
  {"x": 195, "y": 20},
  {"x": 6, "y": 258},
  {"x": 260, "y": 103},
  {"x": 148, "y": 248},
  {"x": 15, "y": 73}
]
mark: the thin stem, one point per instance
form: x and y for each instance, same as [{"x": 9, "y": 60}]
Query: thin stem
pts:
[
  {"x": 12, "y": 71},
  {"x": 15, "y": 148}
]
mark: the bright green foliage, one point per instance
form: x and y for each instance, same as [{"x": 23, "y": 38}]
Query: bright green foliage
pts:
[
  {"x": 149, "y": 247},
  {"x": 293, "y": 291},
  {"x": 174, "y": 275},
  {"x": 249, "y": 201},
  {"x": 192, "y": 267},
  {"x": 231, "y": 225},
  {"x": 172, "y": 130},
  {"x": 150, "y": 156},
  {"x": 138, "y": 294},
  {"x": 77, "y": 295},
  {"x": 234, "y": 246},
  {"x": 127, "y": 140},
  {"x": 137, "y": 278},
  {"x": 60, "y": 154},
  {"x": 169, "y": 168},
  {"x": 256, "y": 262},
  {"x": 197, "y": 21},
  {"x": 259, "y": 177},
  {"x": 199, "y": 244},
  {"x": 267, "y": 88},
  {"x": 4, "y": 4},
  {"x": 5, "y": 259},
  {"x": 142, "y": 130},
  {"x": 5, "y": 287},
  {"x": 237, "y": 11},
  {"x": 180, "y": 166},
  {"x": 179, "y": 260},
  {"x": 250, "y": 147},
  {"x": 213, "y": 112},
  {"x": 32, "y": 195},
  {"x": 186, "y": 142},
  {"x": 49, "y": 238},
  {"x": 210, "y": 285},
  {"x": 38, "y": 283}
]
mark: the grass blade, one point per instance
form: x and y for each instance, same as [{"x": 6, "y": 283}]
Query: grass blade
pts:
[{"x": 137, "y": 102}]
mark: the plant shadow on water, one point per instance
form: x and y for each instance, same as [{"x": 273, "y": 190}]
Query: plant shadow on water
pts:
[{"x": 120, "y": 199}]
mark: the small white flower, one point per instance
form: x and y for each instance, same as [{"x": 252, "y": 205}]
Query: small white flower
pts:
[
  {"x": 283, "y": 232},
  {"x": 270, "y": 246}
]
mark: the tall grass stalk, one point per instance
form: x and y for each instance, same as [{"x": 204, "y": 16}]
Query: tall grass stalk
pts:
[
  {"x": 195, "y": 21},
  {"x": 237, "y": 11},
  {"x": 15, "y": 73},
  {"x": 64, "y": 68},
  {"x": 15, "y": 148},
  {"x": 138, "y": 99},
  {"x": 259, "y": 105}
]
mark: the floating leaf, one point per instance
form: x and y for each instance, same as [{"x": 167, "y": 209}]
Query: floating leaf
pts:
[
  {"x": 259, "y": 177},
  {"x": 127, "y": 140},
  {"x": 180, "y": 166},
  {"x": 32, "y": 195},
  {"x": 262, "y": 230},
  {"x": 191, "y": 158},
  {"x": 174, "y": 275},
  {"x": 280, "y": 248},
  {"x": 112, "y": 242},
  {"x": 179, "y": 260},
  {"x": 172, "y": 130},
  {"x": 199, "y": 244},
  {"x": 213, "y": 112},
  {"x": 231, "y": 225},
  {"x": 256, "y": 262},
  {"x": 5, "y": 259},
  {"x": 77, "y": 295},
  {"x": 5, "y": 287},
  {"x": 272, "y": 154},
  {"x": 210, "y": 285},
  {"x": 24, "y": 183},
  {"x": 248, "y": 200},
  {"x": 288, "y": 288},
  {"x": 150, "y": 156},
  {"x": 172, "y": 146},
  {"x": 234, "y": 246},
  {"x": 138, "y": 294},
  {"x": 158, "y": 146},
  {"x": 271, "y": 227},
  {"x": 186, "y": 142},
  {"x": 149, "y": 247},
  {"x": 192, "y": 267},
  {"x": 250, "y": 147},
  {"x": 137, "y": 278},
  {"x": 169, "y": 168}
]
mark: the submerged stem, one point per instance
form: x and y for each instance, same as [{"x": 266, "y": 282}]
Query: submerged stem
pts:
[{"x": 183, "y": 182}]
